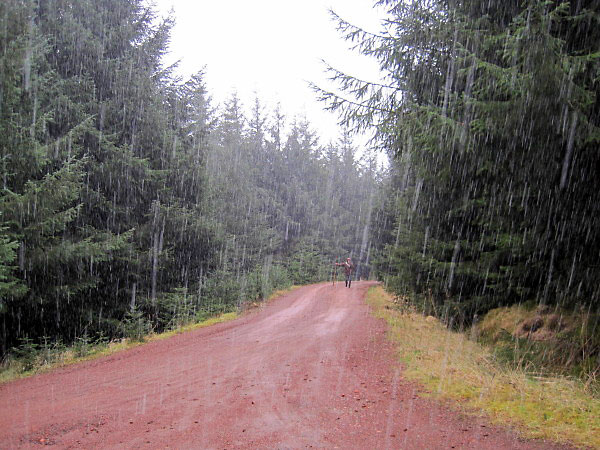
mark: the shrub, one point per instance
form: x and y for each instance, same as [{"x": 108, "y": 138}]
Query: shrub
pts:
[{"x": 135, "y": 326}]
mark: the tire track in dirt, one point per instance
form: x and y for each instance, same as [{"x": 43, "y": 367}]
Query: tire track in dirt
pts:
[{"x": 310, "y": 369}]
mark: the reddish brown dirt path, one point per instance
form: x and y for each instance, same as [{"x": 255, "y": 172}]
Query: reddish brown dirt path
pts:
[{"x": 311, "y": 369}]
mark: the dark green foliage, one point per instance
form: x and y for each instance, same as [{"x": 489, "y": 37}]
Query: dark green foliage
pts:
[
  {"x": 307, "y": 265},
  {"x": 9, "y": 284},
  {"x": 491, "y": 117},
  {"x": 130, "y": 204},
  {"x": 27, "y": 352},
  {"x": 135, "y": 326}
]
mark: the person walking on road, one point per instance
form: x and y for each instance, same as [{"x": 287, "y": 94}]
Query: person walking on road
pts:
[{"x": 348, "y": 269}]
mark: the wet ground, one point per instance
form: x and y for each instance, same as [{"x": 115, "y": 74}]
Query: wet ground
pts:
[{"x": 311, "y": 369}]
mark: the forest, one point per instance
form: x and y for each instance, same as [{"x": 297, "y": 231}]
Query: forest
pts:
[
  {"x": 130, "y": 202},
  {"x": 129, "y": 198},
  {"x": 490, "y": 112}
]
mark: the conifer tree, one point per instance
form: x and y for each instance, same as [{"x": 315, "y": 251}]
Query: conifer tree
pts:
[
  {"x": 128, "y": 202},
  {"x": 484, "y": 115}
]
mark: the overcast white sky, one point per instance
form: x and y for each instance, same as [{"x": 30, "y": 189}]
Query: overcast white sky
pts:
[{"x": 270, "y": 47}]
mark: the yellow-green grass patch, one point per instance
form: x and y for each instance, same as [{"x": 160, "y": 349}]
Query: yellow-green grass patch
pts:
[
  {"x": 14, "y": 369},
  {"x": 225, "y": 317},
  {"x": 451, "y": 366},
  {"x": 280, "y": 292}
]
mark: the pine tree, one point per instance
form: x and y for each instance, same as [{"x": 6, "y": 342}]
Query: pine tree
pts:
[
  {"x": 126, "y": 195},
  {"x": 484, "y": 115}
]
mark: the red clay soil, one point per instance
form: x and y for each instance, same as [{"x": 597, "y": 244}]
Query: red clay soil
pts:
[{"x": 310, "y": 370}]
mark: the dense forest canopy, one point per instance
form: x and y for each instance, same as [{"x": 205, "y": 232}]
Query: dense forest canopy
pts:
[
  {"x": 130, "y": 199},
  {"x": 491, "y": 114}
]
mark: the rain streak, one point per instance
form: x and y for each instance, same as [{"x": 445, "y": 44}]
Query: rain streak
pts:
[{"x": 135, "y": 204}]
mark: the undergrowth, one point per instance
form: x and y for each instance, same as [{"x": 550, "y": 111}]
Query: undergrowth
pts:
[
  {"x": 452, "y": 366},
  {"x": 544, "y": 340},
  {"x": 30, "y": 358}
]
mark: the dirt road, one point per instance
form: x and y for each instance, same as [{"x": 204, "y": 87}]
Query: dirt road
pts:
[{"x": 310, "y": 370}]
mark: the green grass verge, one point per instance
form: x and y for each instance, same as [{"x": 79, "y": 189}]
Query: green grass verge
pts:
[
  {"x": 43, "y": 361},
  {"x": 451, "y": 366},
  {"x": 14, "y": 369}
]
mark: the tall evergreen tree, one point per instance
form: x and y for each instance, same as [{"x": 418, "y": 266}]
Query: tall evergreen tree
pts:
[
  {"x": 128, "y": 202},
  {"x": 489, "y": 117}
]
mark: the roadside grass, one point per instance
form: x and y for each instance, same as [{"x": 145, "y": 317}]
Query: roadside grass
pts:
[
  {"x": 280, "y": 292},
  {"x": 44, "y": 360},
  {"x": 225, "y": 317},
  {"x": 34, "y": 360},
  {"x": 451, "y": 366}
]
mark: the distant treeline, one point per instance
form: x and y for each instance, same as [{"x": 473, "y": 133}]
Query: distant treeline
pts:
[
  {"x": 128, "y": 199},
  {"x": 491, "y": 114}
]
